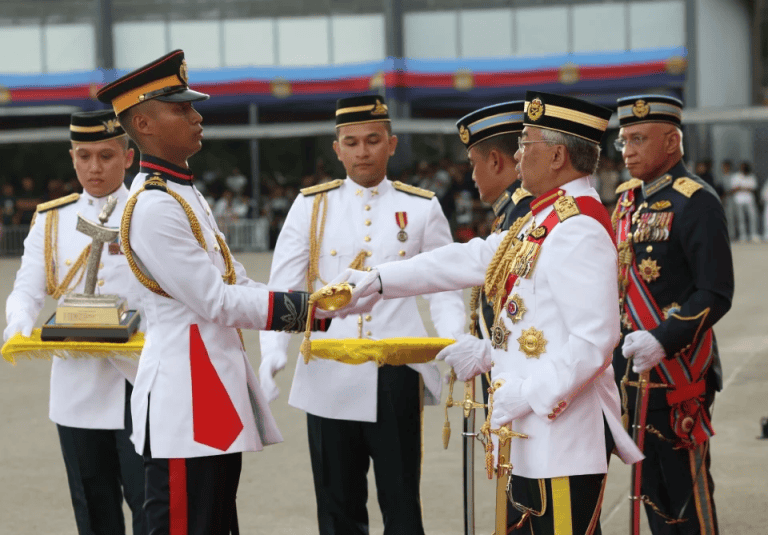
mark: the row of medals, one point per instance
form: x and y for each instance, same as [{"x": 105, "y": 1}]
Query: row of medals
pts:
[{"x": 532, "y": 341}]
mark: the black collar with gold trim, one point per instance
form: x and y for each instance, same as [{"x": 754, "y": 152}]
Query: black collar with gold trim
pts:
[
  {"x": 501, "y": 203},
  {"x": 168, "y": 171},
  {"x": 658, "y": 184}
]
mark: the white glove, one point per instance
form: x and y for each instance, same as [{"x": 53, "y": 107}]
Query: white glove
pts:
[
  {"x": 644, "y": 350},
  {"x": 468, "y": 356},
  {"x": 267, "y": 371},
  {"x": 508, "y": 401},
  {"x": 365, "y": 294},
  {"x": 21, "y": 321}
]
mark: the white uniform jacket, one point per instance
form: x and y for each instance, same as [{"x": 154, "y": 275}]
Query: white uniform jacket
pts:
[
  {"x": 194, "y": 374},
  {"x": 360, "y": 219},
  {"x": 85, "y": 393},
  {"x": 571, "y": 296}
]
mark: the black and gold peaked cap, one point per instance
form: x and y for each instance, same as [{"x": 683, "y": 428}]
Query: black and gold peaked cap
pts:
[
  {"x": 650, "y": 109},
  {"x": 504, "y": 118},
  {"x": 568, "y": 115},
  {"x": 94, "y": 126},
  {"x": 361, "y": 109},
  {"x": 164, "y": 79}
]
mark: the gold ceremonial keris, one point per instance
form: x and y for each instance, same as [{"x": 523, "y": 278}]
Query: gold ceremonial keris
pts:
[
  {"x": 535, "y": 109},
  {"x": 640, "y": 109},
  {"x": 18, "y": 347},
  {"x": 649, "y": 270},
  {"x": 532, "y": 343},
  {"x": 464, "y": 135}
]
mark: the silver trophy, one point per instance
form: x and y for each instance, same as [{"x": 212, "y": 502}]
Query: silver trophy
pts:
[{"x": 88, "y": 316}]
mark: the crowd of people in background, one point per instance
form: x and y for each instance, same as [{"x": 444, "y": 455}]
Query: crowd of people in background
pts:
[{"x": 230, "y": 195}]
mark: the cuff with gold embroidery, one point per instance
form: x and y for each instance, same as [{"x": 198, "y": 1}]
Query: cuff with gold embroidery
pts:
[{"x": 288, "y": 312}]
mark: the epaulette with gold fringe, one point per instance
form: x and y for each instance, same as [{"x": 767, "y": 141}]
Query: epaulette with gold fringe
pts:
[
  {"x": 628, "y": 185},
  {"x": 686, "y": 186},
  {"x": 320, "y": 188},
  {"x": 57, "y": 203},
  {"x": 413, "y": 190}
]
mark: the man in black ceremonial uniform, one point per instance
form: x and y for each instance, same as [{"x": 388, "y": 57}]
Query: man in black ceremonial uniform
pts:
[
  {"x": 491, "y": 135},
  {"x": 676, "y": 282}
]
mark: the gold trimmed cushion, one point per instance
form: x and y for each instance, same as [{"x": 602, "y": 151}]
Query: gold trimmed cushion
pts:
[
  {"x": 392, "y": 351},
  {"x": 22, "y": 347}
]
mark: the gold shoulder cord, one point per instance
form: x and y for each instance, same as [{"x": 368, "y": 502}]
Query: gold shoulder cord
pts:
[
  {"x": 229, "y": 276},
  {"x": 51, "y": 254},
  {"x": 501, "y": 263}
]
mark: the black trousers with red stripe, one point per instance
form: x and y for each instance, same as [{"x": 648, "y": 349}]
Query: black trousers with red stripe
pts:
[
  {"x": 194, "y": 496},
  {"x": 341, "y": 452},
  {"x": 102, "y": 469}
]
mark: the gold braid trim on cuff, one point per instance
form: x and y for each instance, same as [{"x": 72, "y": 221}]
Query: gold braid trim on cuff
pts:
[{"x": 51, "y": 255}]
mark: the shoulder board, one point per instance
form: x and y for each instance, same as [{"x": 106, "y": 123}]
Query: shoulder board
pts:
[
  {"x": 413, "y": 190},
  {"x": 566, "y": 207},
  {"x": 519, "y": 194},
  {"x": 57, "y": 203},
  {"x": 628, "y": 185},
  {"x": 686, "y": 186},
  {"x": 320, "y": 188}
]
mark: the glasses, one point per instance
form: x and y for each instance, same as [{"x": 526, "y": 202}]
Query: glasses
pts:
[
  {"x": 637, "y": 140},
  {"x": 521, "y": 143}
]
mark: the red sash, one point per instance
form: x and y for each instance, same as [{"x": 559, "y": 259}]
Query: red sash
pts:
[{"x": 686, "y": 372}]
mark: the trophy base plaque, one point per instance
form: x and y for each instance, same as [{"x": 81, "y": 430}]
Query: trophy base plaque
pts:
[{"x": 91, "y": 318}]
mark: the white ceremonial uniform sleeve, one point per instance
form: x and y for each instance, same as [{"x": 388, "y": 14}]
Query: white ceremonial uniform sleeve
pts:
[
  {"x": 452, "y": 267},
  {"x": 581, "y": 265},
  {"x": 28, "y": 294},
  {"x": 162, "y": 239},
  {"x": 288, "y": 272},
  {"x": 445, "y": 308}
]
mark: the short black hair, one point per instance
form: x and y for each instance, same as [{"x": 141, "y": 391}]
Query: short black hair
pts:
[
  {"x": 387, "y": 125},
  {"x": 504, "y": 143}
]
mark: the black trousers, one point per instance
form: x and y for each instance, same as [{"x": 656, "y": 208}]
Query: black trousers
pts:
[
  {"x": 678, "y": 482},
  {"x": 194, "y": 496},
  {"x": 341, "y": 451},
  {"x": 102, "y": 469},
  {"x": 571, "y": 502}
]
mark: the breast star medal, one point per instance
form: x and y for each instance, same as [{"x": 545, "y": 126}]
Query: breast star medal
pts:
[
  {"x": 499, "y": 334},
  {"x": 515, "y": 308},
  {"x": 402, "y": 221},
  {"x": 649, "y": 270},
  {"x": 532, "y": 343}
]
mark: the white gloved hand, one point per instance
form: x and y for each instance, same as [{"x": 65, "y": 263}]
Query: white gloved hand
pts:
[
  {"x": 644, "y": 350},
  {"x": 508, "y": 401},
  {"x": 468, "y": 356},
  {"x": 267, "y": 371},
  {"x": 21, "y": 321},
  {"x": 365, "y": 294}
]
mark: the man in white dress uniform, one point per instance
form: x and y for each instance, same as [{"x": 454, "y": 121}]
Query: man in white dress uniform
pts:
[
  {"x": 359, "y": 413},
  {"x": 197, "y": 404},
  {"x": 90, "y": 397},
  {"x": 552, "y": 281}
]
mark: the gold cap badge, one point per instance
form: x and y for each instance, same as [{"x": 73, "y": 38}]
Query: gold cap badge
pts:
[
  {"x": 111, "y": 125},
  {"x": 535, "y": 109},
  {"x": 464, "y": 135},
  {"x": 183, "y": 73},
  {"x": 379, "y": 109},
  {"x": 640, "y": 109}
]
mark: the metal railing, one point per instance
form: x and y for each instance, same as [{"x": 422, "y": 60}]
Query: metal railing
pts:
[{"x": 12, "y": 239}]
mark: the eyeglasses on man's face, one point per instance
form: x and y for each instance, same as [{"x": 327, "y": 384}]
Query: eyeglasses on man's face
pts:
[
  {"x": 521, "y": 143},
  {"x": 635, "y": 140}
]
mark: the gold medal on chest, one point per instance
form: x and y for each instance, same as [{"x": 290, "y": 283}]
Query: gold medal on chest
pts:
[
  {"x": 402, "y": 235},
  {"x": 499, "y": 334},
  {"x": 649, "y": 270},
  {"x": 402, "y": 221},
  {"x": 532, "y": 343},
  {"x": 515, "y": 308}
]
